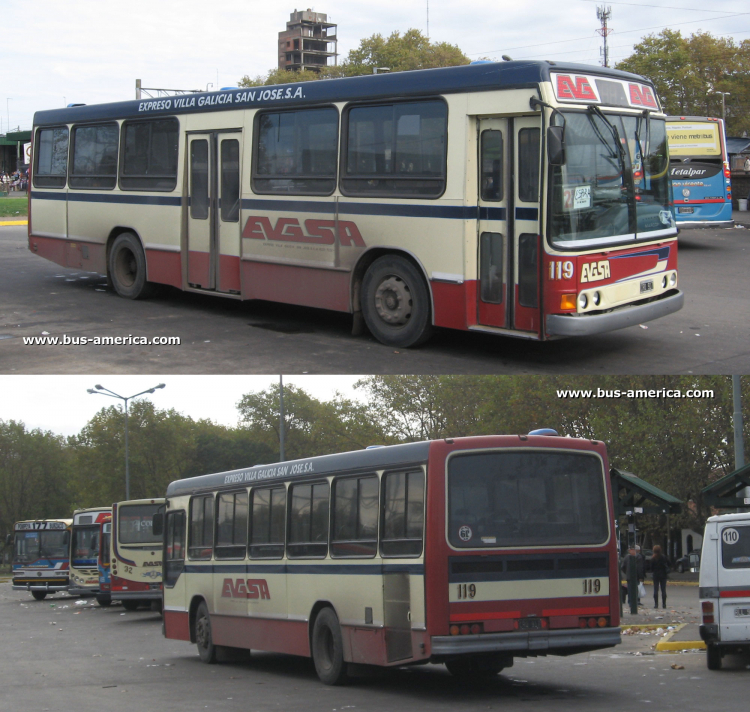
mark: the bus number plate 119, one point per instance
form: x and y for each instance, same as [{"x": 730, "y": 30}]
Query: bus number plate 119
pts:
[
  {"x": 591, "y": 586},
  {"x": 466, "y": 591}
]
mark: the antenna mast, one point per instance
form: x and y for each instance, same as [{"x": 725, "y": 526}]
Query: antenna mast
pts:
[
  {"x": 428, "y": 19},
  {"x": 603, "y": 14}
]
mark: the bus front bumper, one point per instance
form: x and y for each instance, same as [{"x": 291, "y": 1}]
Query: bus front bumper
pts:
[
  {"x": 536, "y": 642},
  {"x": 621, "y": 318},
  {"x": 50, "y": 588},
  {"x": 83, "y": 590}
]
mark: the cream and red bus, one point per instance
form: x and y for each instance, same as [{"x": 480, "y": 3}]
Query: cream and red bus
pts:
[
  {"x": 466, "y": 551},
  {"x": 40, "y": 556},
  {"x": 136, "y": 553},
  {"x": 525, "y": 198},
  {"x": 85, "y": 543}
]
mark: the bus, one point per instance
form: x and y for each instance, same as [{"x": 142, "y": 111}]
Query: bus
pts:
[
  {"x": 103, "y": 598},
  {"x": 84, "y": 550},
  {"x": 40, "y": 556},
  {"x": 136, "y": 553},
  {"x": 699, "y": 168},
  {"x": 496, "y": 197},
  {"x": 464, "y": 551}
]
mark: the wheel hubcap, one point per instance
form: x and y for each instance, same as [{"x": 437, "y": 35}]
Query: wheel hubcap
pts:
[
  {"x": 393, "y": 301},
  {"x": 126, "y": 267},
  {"x": 201, "y": 632}
]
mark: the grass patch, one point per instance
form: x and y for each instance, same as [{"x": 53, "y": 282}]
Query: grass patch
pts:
[{"x": 13, "y": 207}]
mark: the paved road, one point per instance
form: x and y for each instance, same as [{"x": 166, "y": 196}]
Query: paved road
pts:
[
  {"x": 710, "y": 335},
  {"x": 90, "y": 659}
]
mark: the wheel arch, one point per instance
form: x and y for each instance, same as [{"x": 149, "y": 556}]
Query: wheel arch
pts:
[
  {"x": 114, "y": 233},
  {"x": 318, "y": 606}
]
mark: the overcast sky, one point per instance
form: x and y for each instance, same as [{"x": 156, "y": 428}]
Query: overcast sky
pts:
[
  {"x": 63, "y": 405},
  {"x": 89, "y": 51}
]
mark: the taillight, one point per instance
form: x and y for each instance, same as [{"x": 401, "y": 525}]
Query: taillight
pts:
[
  {"x": 466, "y": 629},
  {"x": 707, "y": 608}
]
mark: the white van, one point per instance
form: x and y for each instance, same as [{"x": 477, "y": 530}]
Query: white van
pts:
[{"x": 725, "y": 586}]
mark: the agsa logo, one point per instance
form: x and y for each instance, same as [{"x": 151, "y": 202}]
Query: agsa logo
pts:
[
  {"x": 241, "y": 588},
  {"x": 317, "y": 232}
]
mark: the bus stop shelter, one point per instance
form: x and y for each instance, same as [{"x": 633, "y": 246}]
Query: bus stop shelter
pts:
[{"x": 730, "y": 491}]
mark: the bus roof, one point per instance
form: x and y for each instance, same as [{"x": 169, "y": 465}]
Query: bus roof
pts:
[{"x": 413, "y": 84}]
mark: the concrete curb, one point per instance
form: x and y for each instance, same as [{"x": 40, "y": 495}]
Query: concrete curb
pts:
[{"x": 665, "y": 645}]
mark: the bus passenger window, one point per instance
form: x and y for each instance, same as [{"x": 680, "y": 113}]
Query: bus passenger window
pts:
[
  {"x": 267, "y": 524},
  {"x": 201, "y": 527},
  {"x": 492, "y": 165},
  {"x": 175, "y": 547},
  {"x": 528, "y": 165},
  {"x": 94, "y": 163},
  {"x": 149, "y": 155},
  {"x": 231, "y": 527},
  {"x": 51, "y": 158},
  {"x": 199, "y": 199},
  {"x": 355, "y": 517},
  {"x": 230, "y": 180},
  {"x": 308, "y": 525},
  {"x": 403, "y": 514}
]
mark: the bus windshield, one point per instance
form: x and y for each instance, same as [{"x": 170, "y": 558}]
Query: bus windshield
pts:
[
  {"x": 614, "y": 184},
  {"x": 31, "y": 546},
  {"x": 85, "y": 546},
  {"x": 135, "y": 524},
  {"x": 513, "y": 499}
]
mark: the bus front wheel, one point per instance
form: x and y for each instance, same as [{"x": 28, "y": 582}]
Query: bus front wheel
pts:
[
  {"x": 328, "y": 649},
  {"x": 395, "y": 302},
  {"x": 203, "y": 638},
  {"x": 104, "y": 599},
  {"x": 127, "y": 267},
  {"x": 39, "y": 595}
]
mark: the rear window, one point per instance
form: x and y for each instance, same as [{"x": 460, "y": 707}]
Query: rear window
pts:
[
  {"x": 526, "y": 498},
  {"x": 735, "y": 547}
]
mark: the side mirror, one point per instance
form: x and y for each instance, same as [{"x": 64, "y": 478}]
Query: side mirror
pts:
[
  {"x": 158, "y": 524},
  {"x": 8, "y": 540},
  {"x": 556, "y": 145}
]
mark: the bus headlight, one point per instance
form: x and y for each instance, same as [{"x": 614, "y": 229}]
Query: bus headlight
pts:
[
  {"x": 673, "y": 279},
  {"x": 596, "y": 298},
  {"x": 583, "y": 300},
  {"x": 664, "y": 282}
]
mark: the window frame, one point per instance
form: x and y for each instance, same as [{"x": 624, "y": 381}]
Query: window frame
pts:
[
  {"x": 72, "y": 152},
  {"x": 189, "y": 533},
  {"x": 280, "y": 546},
  {"x": 256, "y": 153},
  {"x": 178, "y": 564},
  {"x": 121, "y": 157},
  {"x": 381, "y": 538},
  {"x": 230, "y": 551},
  {"x": 332, "y": 519},
  {"x": 35, "y": 165},
  {"x": 344, "y": 153},
  {"x": 289, "y": 503}
]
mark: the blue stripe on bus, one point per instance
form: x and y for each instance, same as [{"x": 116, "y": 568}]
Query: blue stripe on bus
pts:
[
  {"x": 527, "y": 213},
  {"x": 662, "y": 253},
  {"x": 492, "y": 214},
  {"x": 117, "y": 198},
  {"x": 289, "y": 568}
]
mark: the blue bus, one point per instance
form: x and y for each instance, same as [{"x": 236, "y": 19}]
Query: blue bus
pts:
[{"x": 699, "y": 168}]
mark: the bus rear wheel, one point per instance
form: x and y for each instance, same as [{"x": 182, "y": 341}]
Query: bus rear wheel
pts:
[
  {"x": 39, "y": 595},
  {"x": 104, "y": 600},
  {"x": 713, "y": 657},
  {"x": 127, "y": 267},
  {"x": 396, "y": 303},
  {"x": 328, "y": 649},
  {"x": 203, "y": 638}
]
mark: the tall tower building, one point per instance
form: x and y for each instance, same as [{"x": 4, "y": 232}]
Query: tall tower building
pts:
[{"x": 308, "y": 41}]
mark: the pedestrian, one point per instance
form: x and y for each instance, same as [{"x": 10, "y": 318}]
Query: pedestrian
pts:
[
  {"x": 640, "y": 567},
  {"x": 660, "y": 566}
]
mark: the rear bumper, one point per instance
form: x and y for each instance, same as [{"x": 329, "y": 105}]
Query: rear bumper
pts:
[
  {"x": 151, "y": 595},
  {"x": 537, "y": 642},
  {"x": 621, "y": 318},
  {"x": 49, "y": 587}
]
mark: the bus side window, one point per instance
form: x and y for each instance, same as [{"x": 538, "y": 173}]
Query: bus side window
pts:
[
  {"x": 403, "y": 514},
  {"x": 201, "y": 527},
  {"x": 94, "y": 163},
  {"x": 231, "y": 528},
  {"x": 175, "y": 547},
  {"x": 308, "y": 520},
  {"x": 528, "y": 165},
  {"x": 268, "y": 523},
  {"x": 355, "y": 516},
  {"x": 149, "y": 154},
  {"x": 51, "y": 158}
]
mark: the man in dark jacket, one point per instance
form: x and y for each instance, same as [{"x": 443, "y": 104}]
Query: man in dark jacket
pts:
[{"x": 640, "y": 566}]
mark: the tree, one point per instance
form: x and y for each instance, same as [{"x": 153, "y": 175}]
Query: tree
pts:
[{"x": 687, "y": 73}]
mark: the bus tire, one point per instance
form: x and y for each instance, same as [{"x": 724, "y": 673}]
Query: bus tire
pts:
[
  {"x": 131, "y": 604},
  {"x": 328, "y": 648},
  {"x": 39, "y": 595},
  {"x": 713, "y": 657},
  {"x": 127, "y": 267},
  {"x": 396, "y": 302},
  {"x": 475, "y": 668},
  {"x": 104, "y": 600},
  {"x": 203, "y": 638}
]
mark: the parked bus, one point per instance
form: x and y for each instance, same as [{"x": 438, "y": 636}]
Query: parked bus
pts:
[
  {"x": 104, "y": 598},
  {"x": 40, "y": 556},
  {"x": 136, "y": 553},
  {"x": 467, "y": 551},
  {"x": 699, "y": 167},
  {"x": 84, "y": 550},
  {"x": 521, "y": 198}
]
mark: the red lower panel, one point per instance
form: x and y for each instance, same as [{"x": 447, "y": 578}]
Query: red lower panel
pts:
[
  {"x": 164, "y": 267},
  {"x": 198, "y": 268},
  {"x": 229, "y": 273},
  {"x": 364, "y": 645},
  {"x": 276, "y": 636},
  {"x": 321, "y": 288},
  {"x": 177, "y": 625},
  {"x": 452, "y": 305},
  {"x": 78, "y": 255},
  {"x": 494, "y": 610},
  {"x": 563, "y": 622},
  {"x": 121, "y": 584},
  {"x": 49, "y": 248},
  {"x": 526, "y": 318}
]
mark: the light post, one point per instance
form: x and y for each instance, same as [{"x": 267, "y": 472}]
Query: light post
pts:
[
  {"x": 7, "y": 108},
  {"x": 723, "y": 104},
  {"x": 102, "y": 391}
]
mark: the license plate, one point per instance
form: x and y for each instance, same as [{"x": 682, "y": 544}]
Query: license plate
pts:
[
  {"x": 530, "y": 624},
  {"x": 647, "y": 286},
  {"x": 685, "y": 211},
  {"x": 741, "y": 612}
]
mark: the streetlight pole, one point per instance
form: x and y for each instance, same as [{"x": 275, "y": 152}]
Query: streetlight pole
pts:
[
  {"x": 723, "y": 104},
  {"x": 102, "y": 391},
  {"x": 7, "y": 109}
]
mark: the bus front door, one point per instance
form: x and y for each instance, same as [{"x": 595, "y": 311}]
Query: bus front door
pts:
[
  {"x": 213, "y": 235},
  {"x": 508, "y": 253}
]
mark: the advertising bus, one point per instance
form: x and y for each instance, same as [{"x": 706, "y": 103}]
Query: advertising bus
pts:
[
  {"x": 84, "y": 550},
  {"x": 699, "y": 168},
  {"x": 524, "y": 198},
  {"x": 40, "y": 556},
  {"x": 467, "y": 551},
  {"x": 103, "y": 598},
  {"x": 136, "y": 553}
]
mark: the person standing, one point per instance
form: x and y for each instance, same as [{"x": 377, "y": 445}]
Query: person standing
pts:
[
  {"x": 640, "y": 567},
  {"x": 660, "y": 566}
]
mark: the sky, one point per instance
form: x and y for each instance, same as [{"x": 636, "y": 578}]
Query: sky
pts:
[
  {"x": 62, "y": 404},
  {"x": 88, "y": 51}
]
